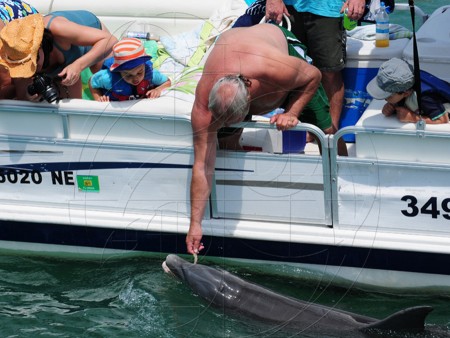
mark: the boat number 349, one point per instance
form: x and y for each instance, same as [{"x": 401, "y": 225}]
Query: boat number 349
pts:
[{"x": 432, "y": 207}]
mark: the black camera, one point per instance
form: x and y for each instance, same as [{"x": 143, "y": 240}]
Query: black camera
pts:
[{"x": 44, "y": 86}]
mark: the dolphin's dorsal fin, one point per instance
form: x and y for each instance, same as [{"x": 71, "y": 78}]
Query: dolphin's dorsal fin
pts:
[{"x": 412, "y": 318}]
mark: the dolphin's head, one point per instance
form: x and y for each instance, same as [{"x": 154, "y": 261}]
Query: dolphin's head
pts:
[
  {"x": 205, "y": 281},
  {"x": 176, "y": 266}
]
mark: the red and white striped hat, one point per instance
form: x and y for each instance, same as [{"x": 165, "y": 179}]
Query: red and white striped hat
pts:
[{"x": 128, "y": 54}]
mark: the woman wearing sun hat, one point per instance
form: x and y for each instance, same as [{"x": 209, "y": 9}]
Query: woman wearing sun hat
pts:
[
  {"x": 61, "y": 45},
  {"x": 11, "y": 10},
  {"x": 130, "y": 75}
]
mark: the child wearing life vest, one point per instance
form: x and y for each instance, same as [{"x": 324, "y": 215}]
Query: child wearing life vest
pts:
[
  {"x": 129, "y": 75},
  {"x": 394, "y": 83}
]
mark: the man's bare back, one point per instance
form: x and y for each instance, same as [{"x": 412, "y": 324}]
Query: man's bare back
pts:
[{"x": 259, "y": 53}]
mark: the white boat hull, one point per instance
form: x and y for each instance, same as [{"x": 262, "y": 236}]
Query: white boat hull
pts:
[{"x": 90, "y": 178}]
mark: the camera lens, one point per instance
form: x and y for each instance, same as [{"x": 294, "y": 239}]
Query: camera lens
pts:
[
  {"x": 51, "y": 94},
  {"x": 44, "y": 86}
]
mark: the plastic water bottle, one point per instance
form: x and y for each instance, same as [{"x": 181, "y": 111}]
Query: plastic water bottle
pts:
[
  {"x": 349, "y": 24},
  {"x": 142, "y": 35},
  {"x": 382, "y": 27}
]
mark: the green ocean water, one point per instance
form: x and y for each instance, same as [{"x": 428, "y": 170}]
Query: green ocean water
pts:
[
  {"x": 404, "y": 17},
  {"x": 133, "y": 297}
]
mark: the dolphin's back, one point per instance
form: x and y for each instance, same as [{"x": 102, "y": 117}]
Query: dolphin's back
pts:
[
  {"x": 266, "y": 305},
  {"x": 232, "y": 293}
]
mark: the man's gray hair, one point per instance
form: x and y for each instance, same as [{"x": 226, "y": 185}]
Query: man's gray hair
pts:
[{"x": 229, "y": 98}]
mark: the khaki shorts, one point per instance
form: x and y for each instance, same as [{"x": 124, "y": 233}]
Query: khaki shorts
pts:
[{"x": 324, "y": 37}]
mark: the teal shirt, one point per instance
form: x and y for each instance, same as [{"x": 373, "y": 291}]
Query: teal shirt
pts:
[
  {"x": 286, "y": 2},
  {"x": 328, "y": 8}
]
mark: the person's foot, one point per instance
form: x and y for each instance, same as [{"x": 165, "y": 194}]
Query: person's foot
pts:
[{"x": 309, "y": 137}]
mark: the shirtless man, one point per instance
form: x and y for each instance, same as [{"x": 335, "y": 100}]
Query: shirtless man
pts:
[{"x": 250, "y": 71}]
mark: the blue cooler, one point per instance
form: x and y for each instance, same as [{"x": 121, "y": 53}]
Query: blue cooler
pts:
[
  {"x": 294, "y": 141},
  {"x": 356, "y": 98}
]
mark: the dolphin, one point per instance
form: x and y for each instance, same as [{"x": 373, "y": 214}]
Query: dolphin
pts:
[{"x": 235, "y": 295}]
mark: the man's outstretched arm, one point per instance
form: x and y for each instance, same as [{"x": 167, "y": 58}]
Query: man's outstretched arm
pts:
[{"x": 205, "y": 140}]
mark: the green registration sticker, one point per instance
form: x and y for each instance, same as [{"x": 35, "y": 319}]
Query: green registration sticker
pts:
[{"x": 88, "y": 183}]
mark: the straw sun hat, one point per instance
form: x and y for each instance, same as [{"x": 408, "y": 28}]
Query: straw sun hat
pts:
[{"x": 20, "y": 40}]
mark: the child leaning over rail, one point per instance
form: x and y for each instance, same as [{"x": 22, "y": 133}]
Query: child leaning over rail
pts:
[
  {"x": 394, "y": 83},
  {"x": 130, "y": 76}
]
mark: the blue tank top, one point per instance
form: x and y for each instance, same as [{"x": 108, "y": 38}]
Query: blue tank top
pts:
[{"x": 83, "y": 18}]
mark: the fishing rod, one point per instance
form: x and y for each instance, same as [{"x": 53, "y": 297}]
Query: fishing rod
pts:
[{"x": 417, "y": 81}]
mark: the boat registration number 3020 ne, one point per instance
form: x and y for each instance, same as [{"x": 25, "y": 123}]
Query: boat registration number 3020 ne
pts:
[{"x": 86, "y": 183}]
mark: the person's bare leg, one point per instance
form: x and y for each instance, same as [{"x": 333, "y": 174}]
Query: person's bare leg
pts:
[
  {"x": 334, "y": 88},
  {"x": 342, "y": 146},
  {"x": 333, "y": 85}
]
